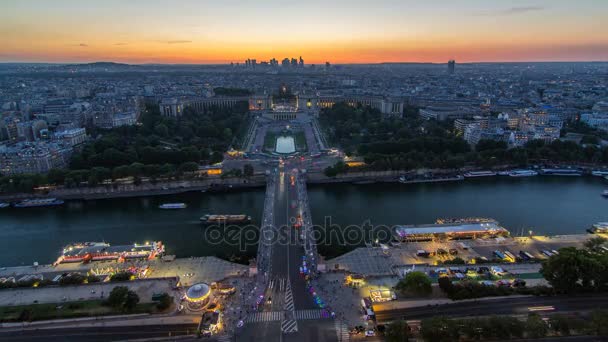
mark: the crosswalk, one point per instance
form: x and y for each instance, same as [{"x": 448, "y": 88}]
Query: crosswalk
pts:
[
  {"x": 266, "y": 316},
  {"x": 311, "y": 314},
  {"x": 289, "y": 306},
  {"x": 341, "y": 331},
  {"x": 289, "y": 326},
  {"x": 277, "y": 283}
]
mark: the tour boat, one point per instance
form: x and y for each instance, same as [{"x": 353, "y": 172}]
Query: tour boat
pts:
[
  {"x": 474, "y": 174},
  {"x": 44, "y": 202},
  {"x": 600, "y": 173},
  {"x": 523, "y": 173},
  {"x": 561, "y": 172},
  {"x": 605, "y": 193},
  {"x": 173, "y": 206},
  {"x": 212, "y": 219},
  {"x": 4, "y": 205}
]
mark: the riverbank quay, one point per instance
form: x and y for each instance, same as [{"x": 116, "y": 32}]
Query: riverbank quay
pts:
[
  {"x": 187, "y": 270},
  {"x": 314, "y": 176},
  {"x": 212, "y": 184},
  {"x": 396, "y": 260}
]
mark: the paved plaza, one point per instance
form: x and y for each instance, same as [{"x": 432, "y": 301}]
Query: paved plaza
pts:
[{"x": 58, "y": 294}]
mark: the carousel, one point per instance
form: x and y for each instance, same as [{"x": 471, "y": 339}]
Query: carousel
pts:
[{"x": 198, "y": 297}]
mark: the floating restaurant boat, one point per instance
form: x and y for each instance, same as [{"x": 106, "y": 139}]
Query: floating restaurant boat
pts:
[
  {"x": 523, "y": 173},
  {"x": 599, "y": 228},
  {"x": 561, "y": 172},
  {"x": 452, "y": 231},
  {"x": 95, "y": 251},
  {"x": 215, "y": 219},
  {"x": 600, "y": 173},
  {"x": 42, "y": 202},
  {"x": 173, "y": 206},
  {"x": 475, "y": 174}
]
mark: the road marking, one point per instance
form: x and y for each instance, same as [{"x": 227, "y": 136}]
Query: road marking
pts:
[
  {"x": 289, "y": 326},
  {"x": 266, "y": 316},
  {"x": 289, "y": 306},
  {"x": 341, "y": 331},
  {"x": 311, "y": 314}
]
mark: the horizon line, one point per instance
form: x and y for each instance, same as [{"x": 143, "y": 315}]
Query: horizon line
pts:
[{"x": 309, "y": 64}]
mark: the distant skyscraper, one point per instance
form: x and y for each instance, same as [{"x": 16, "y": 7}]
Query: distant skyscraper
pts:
[
  {"x": 294, "y": 62},
  {"x": 285, "y": 62},
  {"x": 301, "y": 62},
  {"x": 451, "y": 66}
]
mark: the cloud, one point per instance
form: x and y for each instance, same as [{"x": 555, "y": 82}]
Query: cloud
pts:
[
  {"x": 120, "y": 44},
  {"x": 512, "y": 11},
  {"x": 178, "y": 41},
  {"x": 83, "y": 45}
]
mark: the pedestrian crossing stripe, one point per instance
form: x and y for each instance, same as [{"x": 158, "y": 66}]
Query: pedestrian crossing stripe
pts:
[
  {"x": 289, "y": 306},
  {"x": 311, "y": 314},
  {"x": 277, "y": 282},
  {"x": 266, "y": 316},
  {"x": 341, "y": 331},
  {"x": 289, "y": 326}
]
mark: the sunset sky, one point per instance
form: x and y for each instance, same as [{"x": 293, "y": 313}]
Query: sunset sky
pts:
[{"x": 340, "y": 31}]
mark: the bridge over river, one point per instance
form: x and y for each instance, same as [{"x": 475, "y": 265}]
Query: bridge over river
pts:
[{"x": 286, "y": 259}]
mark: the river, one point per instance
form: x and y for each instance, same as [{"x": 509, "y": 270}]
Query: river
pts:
[{"x": 545, "y": 205}]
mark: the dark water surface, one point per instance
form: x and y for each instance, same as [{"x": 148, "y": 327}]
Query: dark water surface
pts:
[{"x": 546, "y": 205}]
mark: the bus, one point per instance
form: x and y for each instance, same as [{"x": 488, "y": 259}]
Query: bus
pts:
[
  {"x": 499, "y": 254},
  {"x": 509, "y": 256}
]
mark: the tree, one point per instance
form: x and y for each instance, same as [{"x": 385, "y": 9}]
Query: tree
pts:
[
  {"x": 595, "y": 244},
  {"x": 560, "y": 324},
  {"x": 397, "y": 331},
  {"x": 535, "y": 327},
  {"x": 123, "y": 299},
  {"x": 117, "y": 296},
  {"x": 599, "y": 322},
  {"x": 445, "y": 284},
  {"x": 72, "y": 279},
  {"x": 131, "y": 301},
  {"x": 188, "y": 167},
  {"x": 121, "y": 276},
  {"x": 164, "y": 301},
  {"x": 438, "y": 329},
  {"x": 417, "y": 283}
]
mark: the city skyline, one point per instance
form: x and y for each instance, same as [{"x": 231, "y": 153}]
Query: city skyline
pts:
[{"x": 342, "y": 32}]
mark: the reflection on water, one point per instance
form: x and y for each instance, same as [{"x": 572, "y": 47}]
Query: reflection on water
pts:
[{"x": 546, "y": 205}]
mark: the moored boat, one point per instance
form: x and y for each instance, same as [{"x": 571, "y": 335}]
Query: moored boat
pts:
[
  {"x": 599, "y": 228},
  {"x": 96, "y": 251},
  {"x": 214, "y": 219},
  {"x": 42, "y": 202},
  {"x": 561, "y": 172},
  {"x": 173, "y": 206},
  {"x": 4, "y": 205},
  {"x": 474, "y": 174},
  {"x": 523, "y": 173},
  {"x": 600, "y": 173},
  {"x": 605, "y": 193}
]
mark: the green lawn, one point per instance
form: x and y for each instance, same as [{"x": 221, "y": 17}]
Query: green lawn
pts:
[
  {"x": 270, "y": 141},
  {"x": 300, "y": 140},
  {"x": 39, "y": 312}
]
